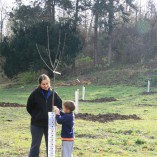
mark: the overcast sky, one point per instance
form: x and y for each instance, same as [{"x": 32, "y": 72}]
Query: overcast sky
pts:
[{"x": 10, "y": 2}]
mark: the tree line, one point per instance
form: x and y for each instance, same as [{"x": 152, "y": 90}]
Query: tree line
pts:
[{"x": 105, "y": 32}]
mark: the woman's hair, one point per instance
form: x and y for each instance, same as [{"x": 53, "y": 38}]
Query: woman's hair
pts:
[{"x": 43, "y": 77}]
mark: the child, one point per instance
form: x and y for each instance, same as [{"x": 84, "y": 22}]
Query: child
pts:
[{"x": 66, "y": 118}]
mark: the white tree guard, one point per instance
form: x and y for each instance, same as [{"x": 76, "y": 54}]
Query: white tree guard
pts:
[
  {"x": 78, "y": 93},
  {"x": 76, "y": 101},
  {"x": 83, "y": 92},
  {"x": 51, "y": 134},
  {"x": 148, "y": 90}
]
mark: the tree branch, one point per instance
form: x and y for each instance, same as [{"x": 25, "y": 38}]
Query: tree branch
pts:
[
  {"x": 48, "y": 50},
  {"x": 43, "y": 59},
  {"x": 57, "y": 50},
  {"x": 61, "y": 53}
]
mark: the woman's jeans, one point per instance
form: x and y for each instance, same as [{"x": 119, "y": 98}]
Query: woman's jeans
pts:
[{"x": 37, "y": 134}]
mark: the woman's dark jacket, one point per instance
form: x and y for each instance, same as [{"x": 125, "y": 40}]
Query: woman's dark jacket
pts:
[{"x": 40, "y": 103}]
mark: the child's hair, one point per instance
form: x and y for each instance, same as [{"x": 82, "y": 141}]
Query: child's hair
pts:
[
  {"x": 69, "y": 105},
  {"x": 43, "y": 77}
]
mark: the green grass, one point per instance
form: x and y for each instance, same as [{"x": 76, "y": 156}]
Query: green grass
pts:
[{"x": 127, "y": 138}]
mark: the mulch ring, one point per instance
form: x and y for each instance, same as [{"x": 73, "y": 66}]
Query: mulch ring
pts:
[
  {"x": 149, "y": 105},
  {"x": 109, "y": 99},
  {"x": 149, "y": 93},
  {"x": 2, "y": 104},
  {"x": 102, "y": 118}
]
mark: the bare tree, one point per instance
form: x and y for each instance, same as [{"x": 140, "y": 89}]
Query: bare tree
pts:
[
  {"x": 151, "y": 8},
  {"x": 50, "y": 5},
  {"x": 76, "y": 14},
  {"x": 96, "y": 34},
  {"x": 3, "y": 15},
  {"x": 53, "y": 65}
]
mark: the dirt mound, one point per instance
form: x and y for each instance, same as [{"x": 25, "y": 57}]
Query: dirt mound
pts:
[
  {"x": 110, "y": 99},
  {"x": 2, "y": 104},
  {"x": 75, "y": 82},
  {"x": 149, "y": 93},
  {"x": 86, "y": 136},
  {"x": 146, "y": 105},
  {"x": 105, "y": 117}
]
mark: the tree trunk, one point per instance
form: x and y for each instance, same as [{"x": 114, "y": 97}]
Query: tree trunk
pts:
[
  {"x": 1, "y": 29},
  {"x": 76, "y": 14},
  {"x": 96, "y": 40},
  {"x": 136, "y": 17},
  {"x": 73, "y": 67},
  {"x": 75, "y": 28},
  {"x": 50, "y": 6},
  {"x": 110, "y": 25},
  {"x": 53, "y": 11},
  {"x": 110, "y": 50}
]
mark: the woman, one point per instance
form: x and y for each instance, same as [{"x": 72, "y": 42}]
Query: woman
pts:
[{"x": 38, "y": 105}]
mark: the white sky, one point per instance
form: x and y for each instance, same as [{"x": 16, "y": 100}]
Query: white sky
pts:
[{"x": 10, "y": 2}]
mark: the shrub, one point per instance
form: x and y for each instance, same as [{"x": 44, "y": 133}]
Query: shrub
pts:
[
  {"x": 27, "y": 77},
  {"x": 84, "y": 60}
]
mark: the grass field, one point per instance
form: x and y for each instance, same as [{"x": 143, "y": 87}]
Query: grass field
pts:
[{"x": 121, "y": 138}]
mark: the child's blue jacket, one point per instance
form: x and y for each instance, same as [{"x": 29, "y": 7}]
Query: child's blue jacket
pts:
[{"x": 67, "y": 121}]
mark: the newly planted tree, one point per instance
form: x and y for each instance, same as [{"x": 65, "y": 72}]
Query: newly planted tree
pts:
[{"x": 52, "y": 66}]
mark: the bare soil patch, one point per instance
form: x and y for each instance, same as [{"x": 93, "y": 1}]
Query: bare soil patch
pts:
[
  {"x": 149, "y": 105},
  {"x": 3, "y": 104},
  {"x": 86, "y": 136},
  {"x": 149, "y": 93},
  {"x": 107, "y": 99},
  {"x": 102, "y": 118},
  {"x": 75, "y": 82}
]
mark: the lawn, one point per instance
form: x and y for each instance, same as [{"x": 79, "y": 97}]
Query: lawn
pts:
[{"x": 121, "y": 138}]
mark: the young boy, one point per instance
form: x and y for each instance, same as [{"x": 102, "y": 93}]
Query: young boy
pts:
[{"x": 66, "y": 118}]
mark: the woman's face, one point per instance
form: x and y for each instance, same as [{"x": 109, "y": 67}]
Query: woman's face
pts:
[{"x": 45, "y": 84}]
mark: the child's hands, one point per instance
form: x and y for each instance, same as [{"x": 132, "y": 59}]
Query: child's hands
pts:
[{"x": 56, "y": 110}]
